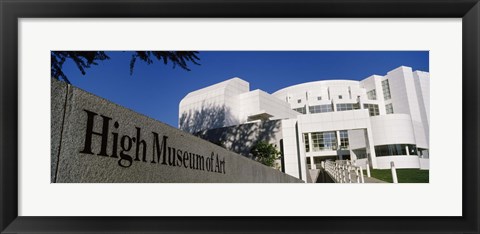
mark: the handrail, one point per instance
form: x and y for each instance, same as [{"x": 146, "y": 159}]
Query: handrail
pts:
[{"x": 342, "y": 171}]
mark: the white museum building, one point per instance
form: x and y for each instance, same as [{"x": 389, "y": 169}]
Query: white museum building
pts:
[{"x": 377, "y": 120}]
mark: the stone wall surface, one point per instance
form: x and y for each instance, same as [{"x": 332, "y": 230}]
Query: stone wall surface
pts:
[
  {"x": 57, "y": 104},
  {"x": 96, "y": 141}
]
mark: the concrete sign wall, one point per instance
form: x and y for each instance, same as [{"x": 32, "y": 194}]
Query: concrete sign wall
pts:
[{"x": 96, "y": 141}]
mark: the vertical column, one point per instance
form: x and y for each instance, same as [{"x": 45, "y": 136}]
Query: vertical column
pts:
[
  {"x": 361, "y": 175},
  {"x": 310, "y": 144},
  {"x": 360, "y": 103},
  {"x": 302, "y": 170},
  {"x": 394, "y": 172},
  {"x": 309, "y": 135},
  {"x": 337, "y": 133},
  {"x": 369, "y": 141}
]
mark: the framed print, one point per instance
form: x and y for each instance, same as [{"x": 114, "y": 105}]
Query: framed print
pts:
[{"x": 113, "y": 165}]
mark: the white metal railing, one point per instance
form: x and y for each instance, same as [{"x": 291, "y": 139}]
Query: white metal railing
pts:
[{"x": 342, "y": 171}]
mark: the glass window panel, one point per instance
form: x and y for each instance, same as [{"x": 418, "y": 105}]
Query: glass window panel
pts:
[
  {"x": 372, "y": 109},
  {"x": 307, "y": 143},
  {"x": 320, "y": 108},
  {"x": 395, "y": 149},
  {"x": 372, "y": 95},
  {"x": 347, "y": 106},
  {"x": 344, "y": 139},
  {"x": 323, "y": 141},
  {"x": 386, "y": 90},
  {"x": 389, "y": 108}
]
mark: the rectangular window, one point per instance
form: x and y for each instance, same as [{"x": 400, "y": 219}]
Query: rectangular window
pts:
[
  {"x": 324, "y": 141},
  {"x": 307, "y": 142},
  {"x": 320, "y": 108},
  {"x": 344, "y": 139},
  {"x": 393, "y": 150},
  {"x": 340, "y": 97},
  {"x": 386, "y": 90},
  {"x": 347, "y": 106},
  {"x": 301, "y": 110},
  {"x": 299, "y": 101},
  {"x": 319, "y": 98},
  {"x": 389, "y": 108},
  {"x": 372, "y": 109},
  {"x": 372, "y": 95}
]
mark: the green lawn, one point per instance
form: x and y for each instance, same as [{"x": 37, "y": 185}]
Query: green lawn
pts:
[{"x": 403, "y": 175}]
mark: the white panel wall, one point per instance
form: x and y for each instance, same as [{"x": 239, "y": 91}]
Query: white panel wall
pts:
[
  {"x": 424, "y": 163},
  {"x": 249, "y": 103},
  {"x": 327, "y": 89},
  {"x": 336, "y": 91},
  {"x": 356, "y": 138},
  {"x": 291, "y": 157},
  {"x": 400, "y": 162},
  {"x": 370, "y": 83},
  {"x": 210, "y": 101},
  {"x": 331, "y": 121},
  {"x": 275, "y": 107},
  {"x": 258, "y": 101},
  {"x": 392, "y": 129},
  {"x": 398, "y": 91},
  {"x": 422, "y": 85},
  {"x": 405, "y": 100}
]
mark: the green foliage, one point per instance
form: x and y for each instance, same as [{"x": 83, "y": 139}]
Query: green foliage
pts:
[
  {"x": 265, "y": 153},
  {"x": 177, "y": 58},
  {"x": 85, "y": 59},
  {"x": 403, "y": 175}
]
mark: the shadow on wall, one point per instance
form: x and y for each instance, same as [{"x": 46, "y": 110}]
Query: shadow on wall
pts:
[
  {"x": 207, "y": 117},
  {"x": 241, "y": 138}
]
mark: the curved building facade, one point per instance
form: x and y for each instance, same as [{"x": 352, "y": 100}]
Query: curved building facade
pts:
[{"x": 377, "y": 120}]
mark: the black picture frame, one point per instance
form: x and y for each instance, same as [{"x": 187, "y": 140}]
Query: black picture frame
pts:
[{"x": 11, "y": 11}]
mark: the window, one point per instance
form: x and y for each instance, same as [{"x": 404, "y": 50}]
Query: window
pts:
[
  {"x": 301, "y": 110},
  {"x": 347, "y": 106},
  {"x": 389, "y": 108},
  {"x": 344, "y": 139},
  {"x": 386, "y": 90},
  {"x": 319, "y": 98},
  {"x": 372, "y": 95},
  {"x": 340, "y": 97},
  {"x": 299, "y": 101},
  {"x": 372, "y": 109},
  {"x": 307, "y": 142},
  {"x": 320, "y": 108},
  {"x": 324, "y": 141},
  {"x": 393, "y": 150}
]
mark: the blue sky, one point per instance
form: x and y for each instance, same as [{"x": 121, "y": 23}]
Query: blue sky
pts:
[{"x": 156, "y": 90}]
